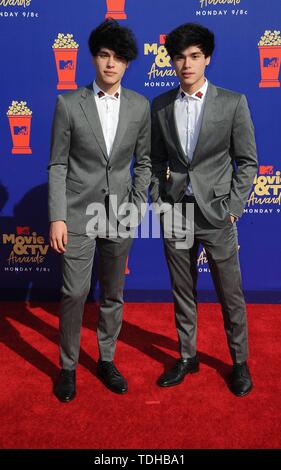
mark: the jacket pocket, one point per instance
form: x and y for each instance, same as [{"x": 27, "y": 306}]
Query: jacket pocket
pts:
[
  {"x": 74, "y": 186},
  {"x": 222, "y": 189}
]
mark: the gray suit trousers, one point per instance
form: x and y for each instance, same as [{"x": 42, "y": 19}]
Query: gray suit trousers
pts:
[
  {"x": 77, "y": 273},
  {"x": 221, "y": 247}
]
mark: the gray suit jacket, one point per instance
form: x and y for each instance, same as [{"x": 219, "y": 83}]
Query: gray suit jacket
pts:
[
  {"x": 81, "y": 172},
  {"x": 224, "y": 162}
]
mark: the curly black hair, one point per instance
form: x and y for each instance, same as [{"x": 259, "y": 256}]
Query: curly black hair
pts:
[
  {"x": 190, "y": 34},
  {"x": 117, "y": 38}
]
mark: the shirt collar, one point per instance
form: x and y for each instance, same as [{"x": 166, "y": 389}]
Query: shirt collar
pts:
[
  {"x": 97, "y": 89},
  {"x": 198, "y": 95}
]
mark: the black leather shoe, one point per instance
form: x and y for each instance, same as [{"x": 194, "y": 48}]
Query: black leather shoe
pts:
[
  {"x": 240, "y": 380},
  {"x": 111, "y": 377},
  {"x": 176, "y": 375},
  {"x": 65, "y": 388}
]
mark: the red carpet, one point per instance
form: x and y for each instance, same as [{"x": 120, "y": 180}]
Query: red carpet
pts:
[{"x": 200, "y": 413}]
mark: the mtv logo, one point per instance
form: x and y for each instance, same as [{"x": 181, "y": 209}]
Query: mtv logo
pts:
[
  {"x": 23, "y": 230},
  {"x": 271, "y": 62},
  {"x": 66, "y": 65},
  {"x": 266, "y": 169},
  {"x": 20, "y": 130}
]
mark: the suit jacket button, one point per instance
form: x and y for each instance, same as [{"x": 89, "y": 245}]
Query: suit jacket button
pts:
[
  {"x": 104, "y": 191},
  {"x": 109, "y": 168}
]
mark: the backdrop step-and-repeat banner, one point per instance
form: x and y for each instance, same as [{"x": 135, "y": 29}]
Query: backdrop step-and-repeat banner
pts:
[{"x": 44, "y": 52}]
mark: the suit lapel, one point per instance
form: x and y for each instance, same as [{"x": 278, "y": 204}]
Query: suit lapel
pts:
[
  {"x": 209, "y": 112},
  {"x": 208, "y": 115},
  {"x": 170, "y": 117},
  {"x": 124, "y": 119},
  {"x": 90, "y": 110}
]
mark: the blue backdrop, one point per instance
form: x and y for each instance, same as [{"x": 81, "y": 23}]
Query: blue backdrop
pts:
[{"x": 31, "y": 72}]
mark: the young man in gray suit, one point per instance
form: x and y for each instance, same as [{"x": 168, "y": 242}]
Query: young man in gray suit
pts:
[
  {"x": 205, "y": 135},
  {"x": 96, "y": 131}
]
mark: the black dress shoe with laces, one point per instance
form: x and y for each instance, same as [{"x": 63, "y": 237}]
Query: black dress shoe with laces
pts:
[
  {"x": 176, "y": 375},
  {"x": 111, "y": 377},
  {"x": 65, "y": 388},
  {"x": 240, "y": 380}
]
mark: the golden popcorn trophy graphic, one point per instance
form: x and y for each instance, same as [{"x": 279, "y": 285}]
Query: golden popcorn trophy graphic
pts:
[
  {"x": 65, "y": 50},
  {"x": 270, "y": 56},
  {"x": 116, "y": 9},
  {"x": 19, "y": 116}
]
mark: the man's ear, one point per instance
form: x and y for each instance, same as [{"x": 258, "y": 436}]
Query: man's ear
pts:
[{"x": 208, "y": 60}]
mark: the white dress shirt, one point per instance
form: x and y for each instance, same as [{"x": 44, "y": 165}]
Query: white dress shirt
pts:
[
  {"x": 108, "y": 109},
  {"x": 188, "y": 115}
]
